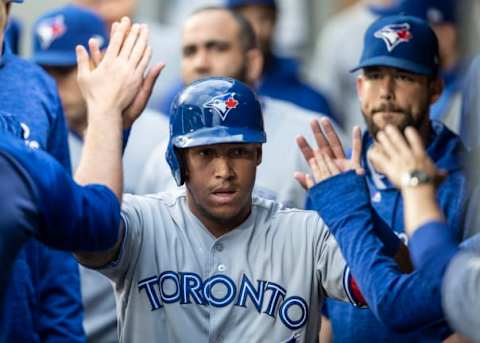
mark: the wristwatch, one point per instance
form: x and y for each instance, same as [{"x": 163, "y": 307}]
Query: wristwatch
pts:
[{"x": 416, "y": 178}]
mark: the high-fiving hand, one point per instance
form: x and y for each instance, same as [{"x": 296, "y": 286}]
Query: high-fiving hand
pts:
[
  {"x": 396, "y": 156},
  {"x": 328, "y": 159},
  {"x": 116, "y": 80}
]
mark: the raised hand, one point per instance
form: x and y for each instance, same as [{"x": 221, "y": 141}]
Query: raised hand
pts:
[
  {"x": 116, "y": 82},
  {"x": 397, "y": 156},
  {"x": 133, "y": 111},
  {"x": 328, "y": 159}
]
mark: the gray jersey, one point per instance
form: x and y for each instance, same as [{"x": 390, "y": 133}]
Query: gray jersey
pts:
[
  {"x": 262, "y": 282},
  {"x": 281, "y": 157}
]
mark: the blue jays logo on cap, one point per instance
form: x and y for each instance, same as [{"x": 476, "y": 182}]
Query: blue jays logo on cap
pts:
[
  {"x": 394, "y": 34},
  {"x": 222, "y": 104},
  {"x": 51, "y": 29}
]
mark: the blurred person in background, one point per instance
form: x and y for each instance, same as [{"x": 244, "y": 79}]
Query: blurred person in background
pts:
[
  {"x": 280, "y": 77},
  {"x": 442, "y": 15},
  {"x": 337, "y": 50}
]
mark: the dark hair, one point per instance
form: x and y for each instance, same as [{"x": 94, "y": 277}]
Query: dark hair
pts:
[{"x": 247, "y": 35}]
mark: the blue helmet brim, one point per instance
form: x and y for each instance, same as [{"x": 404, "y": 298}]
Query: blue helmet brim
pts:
[{"x": 219, "y": 135}]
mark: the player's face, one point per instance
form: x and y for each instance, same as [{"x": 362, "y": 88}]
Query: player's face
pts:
[
  {"x": 262, "y": 18},
  {"x": 219, "y": 181},
  {"x": 72, "y": 100},
  {"x": 211, "y": 46},
  {"x": 396, "y": 97}
]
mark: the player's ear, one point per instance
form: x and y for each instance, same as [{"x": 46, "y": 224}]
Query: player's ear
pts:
[
  {"x": 254, "y": 65},
  {"x": 436, "y": 89},
  {"x": 359, "y": 84},
  {"x": 259, "y": 155}
]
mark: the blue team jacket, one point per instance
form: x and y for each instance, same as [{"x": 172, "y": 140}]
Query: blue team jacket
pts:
[
  {"x": 352, "y": 324},
  {"x": 65, "y": 216},
  {"x": 30, "y": 95}
]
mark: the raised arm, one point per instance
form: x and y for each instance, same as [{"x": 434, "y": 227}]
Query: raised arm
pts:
[
  {"x": 341, "y": 197},
  {"x": 116, "y": 92}
]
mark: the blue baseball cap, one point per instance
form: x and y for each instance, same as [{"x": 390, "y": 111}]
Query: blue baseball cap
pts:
[
  {"x": 17, "y": 1},
  {"x": 433, "y": 11},
  {"x": 58, "y": 32},
  {"x": 239, "y": 3},
  {"x": 402, "y": 42}
]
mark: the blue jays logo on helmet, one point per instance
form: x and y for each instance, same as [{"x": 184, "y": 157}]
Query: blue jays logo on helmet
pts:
[
  {"x": 222, "y": 104},
  {"x": 394, "y": 34},
  {"x": 50, "y": 29}
]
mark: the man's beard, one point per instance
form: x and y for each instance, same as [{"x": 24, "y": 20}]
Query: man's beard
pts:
[{"x": 408, "y": 119}]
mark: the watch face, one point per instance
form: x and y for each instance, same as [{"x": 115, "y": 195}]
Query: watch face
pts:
[{"x": 415, "y": 178}]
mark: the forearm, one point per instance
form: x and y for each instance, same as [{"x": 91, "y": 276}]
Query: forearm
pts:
[
  {"x": 420, "y": 206},
  {"x": 347, "y": 212},
  {"x": 101, "y": 156}
]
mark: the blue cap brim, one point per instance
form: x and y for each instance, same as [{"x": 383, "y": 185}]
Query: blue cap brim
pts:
[
  {"x": 61, "y": 59},
  {"x": 388, "y": 61},
  {"x": 219, "y": 135}
]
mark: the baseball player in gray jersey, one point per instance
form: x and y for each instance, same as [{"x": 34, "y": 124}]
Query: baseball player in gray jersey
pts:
[{"x": 213, "y": 263}]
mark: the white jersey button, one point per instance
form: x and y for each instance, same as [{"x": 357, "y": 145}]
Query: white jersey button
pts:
[
  {"x": 221, "y": 268},
  {"x": 219, "y": 247}
]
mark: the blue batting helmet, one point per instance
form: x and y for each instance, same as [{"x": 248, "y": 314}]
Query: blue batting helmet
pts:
[{"x": 212, "y": 111}]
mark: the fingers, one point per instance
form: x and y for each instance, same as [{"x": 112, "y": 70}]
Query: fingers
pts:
[
  {"x": 305, "y": 148},
  {"x": 378, "y": 158},
  {"x": 332, "y": 138},
  {"x": 387, "y": 146},
  {"x": 143, "y": 64},
  {"x": 83, "y": 62},
  {"x": 95, "y": 52},
  {"x": 304, "y": 180},
  {"x": 357, "y": 148},
  {"x": 415, "y": 141},
  {"x": 322, "y": 142},
  {"x": 119, "y": 30},
  {"x": 130, "y": 42},
  {"x": 141, "y": 47}
]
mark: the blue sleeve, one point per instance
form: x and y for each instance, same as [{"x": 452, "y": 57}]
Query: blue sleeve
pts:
[
  {"x": 71, "y": 217},
  {"x": 57, "y": 144},
  {"x": 343, "y": 203},
  {"x": 75, "y": 218},
  {"x": 60, "y": 309},
  {"x": 432, "y": 247}
]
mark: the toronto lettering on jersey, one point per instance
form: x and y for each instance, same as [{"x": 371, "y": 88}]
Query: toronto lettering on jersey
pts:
[{"x": 220, "y": 291}]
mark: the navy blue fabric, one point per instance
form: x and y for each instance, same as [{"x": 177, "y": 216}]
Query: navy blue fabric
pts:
[
  {"x": 431, "y": 247},
  {"x": 29, "y": 95},
  {"x": 13, "y": 34},
  {"x": 61, "y": 214},
  {"x": 446, "y": 149},
  {"x": 344, "y": 204},
  {"x": 18, "y": 213}
]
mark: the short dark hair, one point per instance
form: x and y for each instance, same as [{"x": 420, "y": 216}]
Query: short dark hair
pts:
[{"x": 247, "y": 35}]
